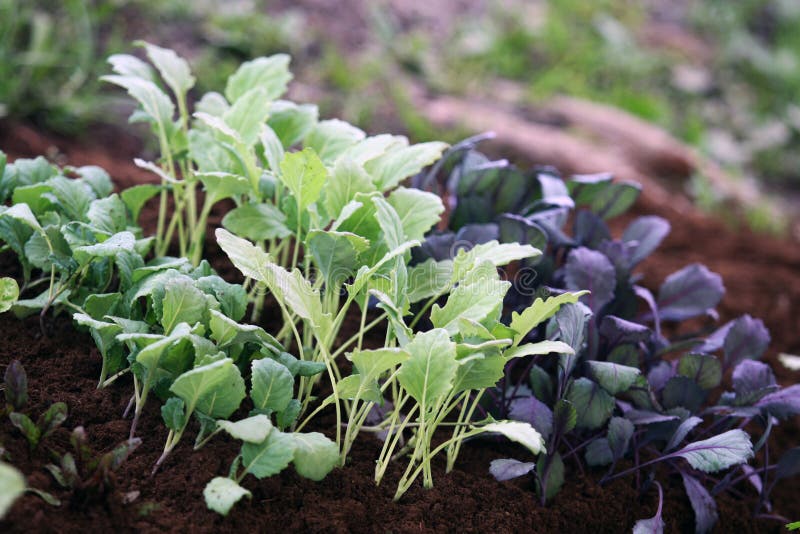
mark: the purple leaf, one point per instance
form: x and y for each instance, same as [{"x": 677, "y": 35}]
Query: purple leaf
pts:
[
  {"x": 598, "y": 452},
  {"x": 680, "y": 433},
  {"x": 518, "y": 229},
  {"x": 16, "y": 385},
  {"x": 590, "y": 230},
  {"x": 789, "y": 464},
  {"x": 682, "y": 391},
  {"x": 644, "y": 417},
  {"x": 565, "y": 417},
  {"x": 783, "y": 403},
  {"x": 554, "y": 191},
  {"x": 703, "y": 504},
  {"x": 645, "y": 294},
  {"x": 750, "y": 376},
  {"x": 647, "y": 233},
  {"x": 715, "y": 341},
  {"x": 507, "y": 468},
  {"x": 747, "y": 338},
  {"x": 692, "y": 291},
  {"x": 618, "y": 331},
  {"x": 476, "y": 234},
  {"x": 532, "y": 410},
  {"x": 620, "y": 431},
  {"x": 589, "y": 269},
  {"x": 654, "y": 525},
  {"x": 717, "y": 452},
  {"x": 660, "y": 374},
  {"x": 753, "y": 477}
]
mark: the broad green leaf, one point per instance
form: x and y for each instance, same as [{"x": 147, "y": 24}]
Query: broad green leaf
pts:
[
  {"x": 428, "y": 279},
  {"x": 221, "y": 493},
  {"x": 593, "y": 405},
  {"x": 273, "y": 149},
  {"x": 292, "y": 122},
  {"x": 182, "y": 303},
  {"x": 522, "y": 433},
  {"x": 718, "y": 452},
  {"x": 127, "y": 65},
  {"x": 96, "y": 178},
  {"x": 479, "y": 372},
  {"x": 538, "y": 312},
  {"x": 154, "y": 102},
  {"x": 221, "y": 130},
  {"x": 336, "y": 254},
  {"x": 221, "y": 185},
  {"x": 173, "y": 69},
  {"x": 232, "y": 298},
  {"x": 154, "y": 347},
  {"x": 34, "y": 196},
  {"x": 9, "y": 293},
  {"x": 400, "y": 330},
  {"x": 366, "y": 273},
  {"x": 117, "y": 243},
  {"x": 348, "y": 178},
  {"x": 248, "y": 114},
  {"x": 374, "y": 146},
  {"x": 103, "y": 333},
  {"x": 254, "y": 429},
  {"x": 137, "y": 196},
  {"x": 429, "y": 371},
  {"x": 613, "y": 377},
  {"x": 373, "y": 363},
  {"x": 474, "y": 301},
  {"x": 257, "y": 222},
  {"x": 555, "y": 479},
  {"x": 419, "y": 211},
  {"x": 23, "y": 213},
  {"x": 304, "y": 175},
  {"x": 315, "y": 455},
  {"x": 272, "y": 385},
  {"x": 225, "y": 332},
  {"x": 394, "y": 166},
  {"x": 12, "y": 485},
  {"x": 269, "y": 457},
  {"x": 332, "y": 137},
  {"x": 216, "y": 389},
  {"x": 497, "y": 253},
  {"x": 540, "y": 348},
  {"x": 108, "y": 214},
  {"x": 358, "y": 387},
  {"x": 271, "y": 74}
]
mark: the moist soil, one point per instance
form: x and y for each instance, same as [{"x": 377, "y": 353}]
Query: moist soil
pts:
[{"x": 762, "y": 277}]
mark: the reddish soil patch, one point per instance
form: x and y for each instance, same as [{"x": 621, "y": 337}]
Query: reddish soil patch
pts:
[{"x": 763, "y": 279}]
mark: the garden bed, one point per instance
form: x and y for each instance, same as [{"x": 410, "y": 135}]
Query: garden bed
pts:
[{"x": 761, "y": 276}]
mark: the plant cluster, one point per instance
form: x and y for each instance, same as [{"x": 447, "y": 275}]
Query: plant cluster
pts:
[
  {"x": 627, "y": 392},
  {"x": 322, "y": 230}
]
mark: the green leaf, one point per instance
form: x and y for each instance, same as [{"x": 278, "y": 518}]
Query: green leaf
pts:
[
  {"x": 538, "y": 312},
  {"x": 373, "y": 363},
  {"x": 12, "y": 485},
  {"x": 704, "y": 369},
  {"x": 127, "y": 65},
  {"x": 34, "y": 196},
  {"x": 540, "y": 348},
  {"x": 137, "y": 196},
  {"x": 522, "y": 433},
  {"x": 305, "y": 175},
  {"x": 394, "y": 166},
  {"x": 27, "y": 427},
  {"x": 117, "y": 243},
  {"x": 348, "y": 178},
  {"x": 221, "y": 493},
  {"x": 257, "y": 222},
  {"x": 182, "y": 303},
  {"x": 220, "y": 185},
  {"x": 478, "y": 373},
  {"x": 103, "y": 333},
  {"x": 254, "y": 429},
  {"x": 496, "y": 253},
  {"x": 108, "y": 214},
  {"x": 272, "y": 385},
  {"x": 154, "y": 102},
  {"x": 248, "y": 114},
  {"x": 419, "y": 211},
  {"x": 216, "y": 389},
  {"x": 9, "y": 293},
  {"x": 429, "y": 371},
  {"x": 593, "y": 405},
  {"x": 23, "y": 213},
  {"x": 336, "y": 254},
  {"x": 555, "y": 478},
  {"x": 315, "y": 455},
  {"x": 718, "y": 452},
  {"x": 428, "y": 279},
  {"x": 173, "y": 69},
  {"x": 271, "y": 74},
  {"x": 332, "y": 137},
  {"x": 173, "y": 414},
  {"x": 292, "y": 122},
  {"x": 273, "y": 149},
  {"x": 474, "y": 301},
  {"x": 269, "y": 457},
  {"x": 358, "y": 387},
  {"x": 613, "y": 377}
]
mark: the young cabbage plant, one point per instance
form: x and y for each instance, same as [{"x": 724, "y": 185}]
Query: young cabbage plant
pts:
[
  {"x": 238, "y": 147},
  {"x": 68, "y": 226},
  {"x": 266, "y": 451},
  {"x": 15, "y": 382}
]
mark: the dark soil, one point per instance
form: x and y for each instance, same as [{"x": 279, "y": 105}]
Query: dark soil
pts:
[{"x": 762, "y": 277}]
